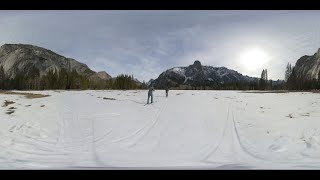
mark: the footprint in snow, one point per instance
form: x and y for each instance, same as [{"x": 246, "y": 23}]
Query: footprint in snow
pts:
[
  {"x": 277, "y": 148},
  {"x": 307, "y": 114}
]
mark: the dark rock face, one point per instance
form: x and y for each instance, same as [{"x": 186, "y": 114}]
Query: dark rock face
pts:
[
  {"x": 197, "y": 65},
  {"x": 198, "y": 75},
  {"x": 150, "y": 82},
  {"x": 196, "y": 71},
  {"x": 17, "y": 58},
  {"x": 308, "y": 67}
]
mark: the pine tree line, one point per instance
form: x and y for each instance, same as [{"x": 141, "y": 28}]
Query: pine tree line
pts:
[
  {"x": 124, "y": 81},
  {"x": 296, "y": 82},
  {"x": 63, "y": 79}
]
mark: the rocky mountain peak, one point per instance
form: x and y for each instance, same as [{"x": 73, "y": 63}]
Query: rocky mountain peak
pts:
[
  {"x": 104, "y": 75},
  {"x": 318, "y": 53},
  {"x": 197, "y": 64},
  {"x": 198, "y": 75}
]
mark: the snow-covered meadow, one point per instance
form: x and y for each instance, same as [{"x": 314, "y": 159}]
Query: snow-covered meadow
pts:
[{"x": 187, "y": 130}]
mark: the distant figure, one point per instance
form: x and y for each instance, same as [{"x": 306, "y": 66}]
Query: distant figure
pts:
[
  {"x": 167, "y": 90},
  {"x": 150, "y": 94}
]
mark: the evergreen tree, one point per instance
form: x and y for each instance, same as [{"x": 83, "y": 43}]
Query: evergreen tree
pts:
[
  {"x": 18, "y": 81},
  {"x": 290, "y": 70},
  {"x": 34, "y": 78},
  {"x": 266, "y": 79},
  {"x": 292, "y": 80},
  {"x": 2, "y": 78},
  {"x": 266, "y": 75},
  {"x": 287, "y": 73},
  {"x": 63, "y": 79},
  {"x": 270, "y": 84},
  {"x": 262, "y": 80},
  {"x": 318, "y": 84}
]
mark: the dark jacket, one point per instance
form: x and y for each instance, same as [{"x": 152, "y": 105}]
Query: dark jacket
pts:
[{"x": 151, "y": 89}]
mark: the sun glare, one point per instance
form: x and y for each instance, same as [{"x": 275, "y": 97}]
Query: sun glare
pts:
[{"x": 253, "y": 59}]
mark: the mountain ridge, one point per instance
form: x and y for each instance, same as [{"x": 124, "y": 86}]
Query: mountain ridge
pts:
[
  {"x": 17, "y": 58},
  {"x": 199, "y": 75}
]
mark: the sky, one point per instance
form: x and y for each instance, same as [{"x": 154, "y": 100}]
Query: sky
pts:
[{"x": 146, "y": 43}]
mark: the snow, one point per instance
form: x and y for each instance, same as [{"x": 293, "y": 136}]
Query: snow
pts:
[
  {"x": 187, "y": 130},
  {"x": 187, "y": 78},
  {"x": 179, "y": 70},
  {"x": 221, "y": 72}
]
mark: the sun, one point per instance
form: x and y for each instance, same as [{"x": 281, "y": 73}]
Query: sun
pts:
[{"x": 253, "y": 59}]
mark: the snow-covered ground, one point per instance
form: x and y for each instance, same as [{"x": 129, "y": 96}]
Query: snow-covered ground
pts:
[{"x": 187, "y": 130}]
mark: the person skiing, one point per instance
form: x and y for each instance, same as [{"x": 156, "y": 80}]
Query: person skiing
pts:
[
  {"x": 167, "y": 90},
  {"x": 150, "y": 94}
]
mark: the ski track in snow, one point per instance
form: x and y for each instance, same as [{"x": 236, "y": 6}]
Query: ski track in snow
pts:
[{"x": 187, "y": 130}]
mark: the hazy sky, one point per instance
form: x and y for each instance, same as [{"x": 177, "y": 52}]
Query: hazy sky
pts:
[{"x": 145, "y": 43}]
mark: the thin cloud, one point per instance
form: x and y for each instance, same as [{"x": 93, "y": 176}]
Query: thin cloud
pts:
[{"x": 145, "y": 43}]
